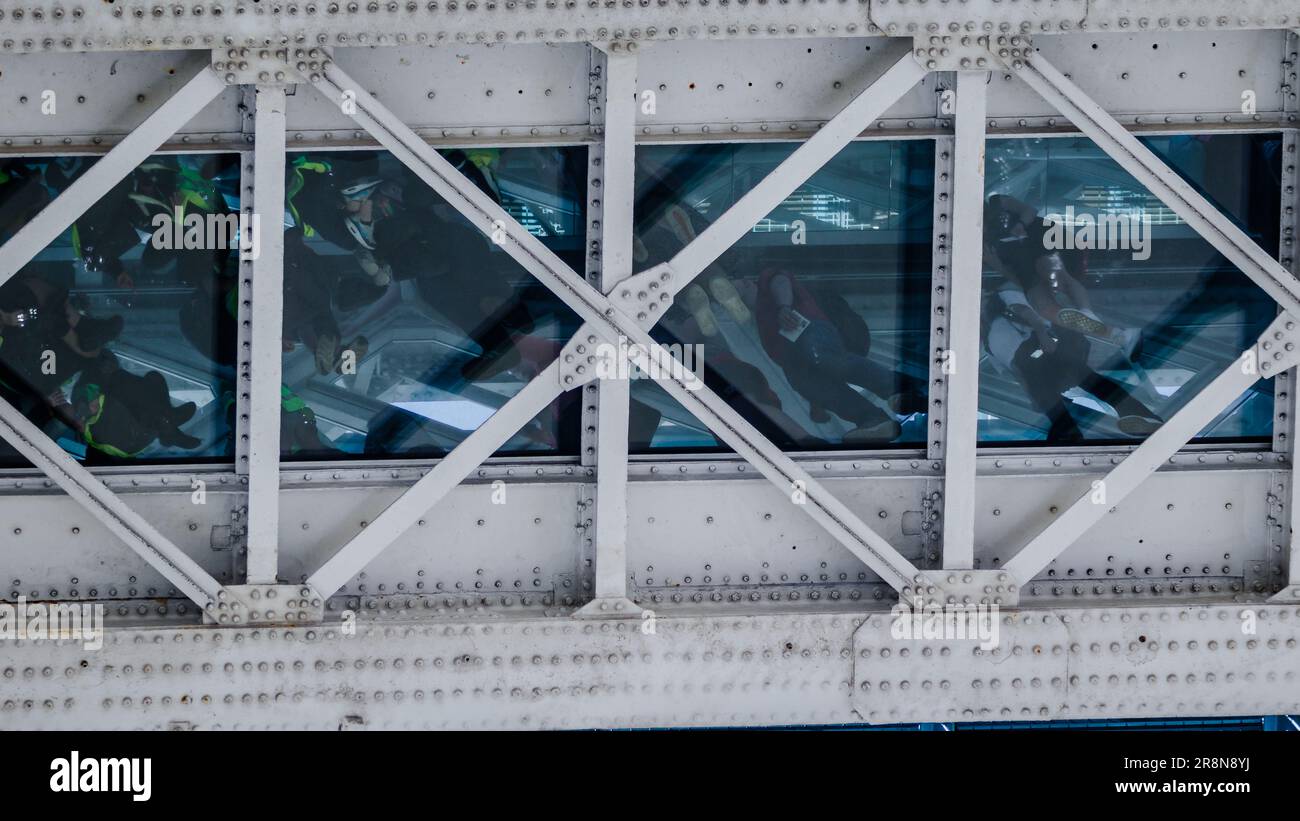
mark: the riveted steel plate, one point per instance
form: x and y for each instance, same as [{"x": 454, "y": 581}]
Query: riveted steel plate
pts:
[
  {"x": 907, "y": 17},
  {"x": 104, "y": 96},
  {"x": 796, "y": 81},
  {"x": 506, "y": 538},
  {"x": 1182, "y": 75},
  {"x": 730, "y": 532},
  {"x": 529, "y": 674},
  {"x": 1176, "y": 529},
  {"x": 152, "y": 26},
  {"x": 1180, "y": 15},
  {"x": 52, "y": 549},
  {"x": 1084, "y": 664},
  {"x": 511, "y": 87},
  {"x": 674, "y": 671}
]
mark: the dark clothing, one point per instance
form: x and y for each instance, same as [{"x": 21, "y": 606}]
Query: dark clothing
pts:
[
  {"x": 43, "y": 307},
  {"x": 830, "y": 355},
  {"x": 135, "y": 411},
  {"x": 308, "y": 314},
  {"x": 1049, "y": 375},
  {"x": 456, "y": 273},
  {"x": 821, "y": 370}
]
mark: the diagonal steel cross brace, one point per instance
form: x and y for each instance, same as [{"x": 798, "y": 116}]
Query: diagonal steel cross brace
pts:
[
  {"x": 1273, "y": 353},
  {"x": 606, "y": 321}
]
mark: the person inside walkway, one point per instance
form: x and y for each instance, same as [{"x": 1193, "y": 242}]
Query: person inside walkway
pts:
[
  {"x": 118, "y": 413},
  {"x": 1038, "y": 320},
  {"x": 822, "y": 345}
]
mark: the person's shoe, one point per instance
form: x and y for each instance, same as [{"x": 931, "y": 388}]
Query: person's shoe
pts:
[
  {"x": 183, "y": 413},
  {"x": 1068, "y": 434},
  {"x": 1135, "y": 425},
  {"x": 1127, "y": 340},
  {"x": 175, "y": 438},
  {"x": 95, "y": 333},
  {"x": 907, "y": 403},
  {"x": 725, "y": 292},
  {"x": 886, "y": 431},
  {"x": 359, "y": 348},
  {"x": 1081, "y": 321},
  {"x": 818, "y": 414},
  {"x": 697, "y": 302},
  {"x": 327, "y": 347}
]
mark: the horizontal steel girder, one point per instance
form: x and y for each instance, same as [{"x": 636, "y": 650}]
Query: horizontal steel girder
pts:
[
  {"x": 138, "y": 25},
  {"x": 759, "y": 669}
]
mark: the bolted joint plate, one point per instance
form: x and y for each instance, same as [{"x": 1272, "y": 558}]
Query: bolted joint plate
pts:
[
  {"x": 1278, "y": 348},
  {"x": 266, "y": 604},
  {"x": 618, "y": 47},
  {"x": 937, "y": 588},
  {"x": 1010, "y": 50},
  {"x": 271, "y": 65},
  {"x": 585, "y": 357},
  {"x": 609, "y": 607},
  {"x": 255, "y": 66},
  {"x": 643, "y": 298},
  {"x": 310, "y": 63},
  {"x": 1287, "y": 595},
  {"x": 954, "y": 52},
  {"x": 646, "y": 296}
]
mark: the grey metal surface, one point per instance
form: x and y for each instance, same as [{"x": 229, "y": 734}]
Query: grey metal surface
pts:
[
  {"x": 758, "y": 615},
  {"x": 838, "y": 667}
]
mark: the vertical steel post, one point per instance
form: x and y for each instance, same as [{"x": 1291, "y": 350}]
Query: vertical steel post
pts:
[
  {"x": 961, "y": 358},
  {"x": 267, "y": 310},
  {"x": 618, "y": 173}
]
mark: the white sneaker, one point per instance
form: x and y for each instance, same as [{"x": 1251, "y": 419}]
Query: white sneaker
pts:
[
  {"x": 725, "y": 292},
  {"x": 697, "y": 302}
]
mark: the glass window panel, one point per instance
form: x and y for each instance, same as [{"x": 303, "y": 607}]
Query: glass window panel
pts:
[
  {"x": 1103, "y": 312},
  {"x": 404, "y": 327},
  {"x": 815, "y": 325},
  {"x": 116, "y": 339}
]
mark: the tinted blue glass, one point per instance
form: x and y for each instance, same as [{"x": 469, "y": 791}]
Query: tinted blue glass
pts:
[
  {"x": 1103, "y": 312},
  {"x": 815, "y": 325},
  {"x": 405, "y": 327},
  {"x": 116, "y": 339}
]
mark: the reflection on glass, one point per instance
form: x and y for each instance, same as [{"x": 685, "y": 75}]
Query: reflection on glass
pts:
[
  {"x": 116, "y": 339},
  {"x": 1104, "y": 312},
  {"x": 405, "y": 328},
  {"x": 815, "y": 325}
]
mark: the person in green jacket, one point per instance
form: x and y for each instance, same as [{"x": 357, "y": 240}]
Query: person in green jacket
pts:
[{"x": 119, "y": 414}]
